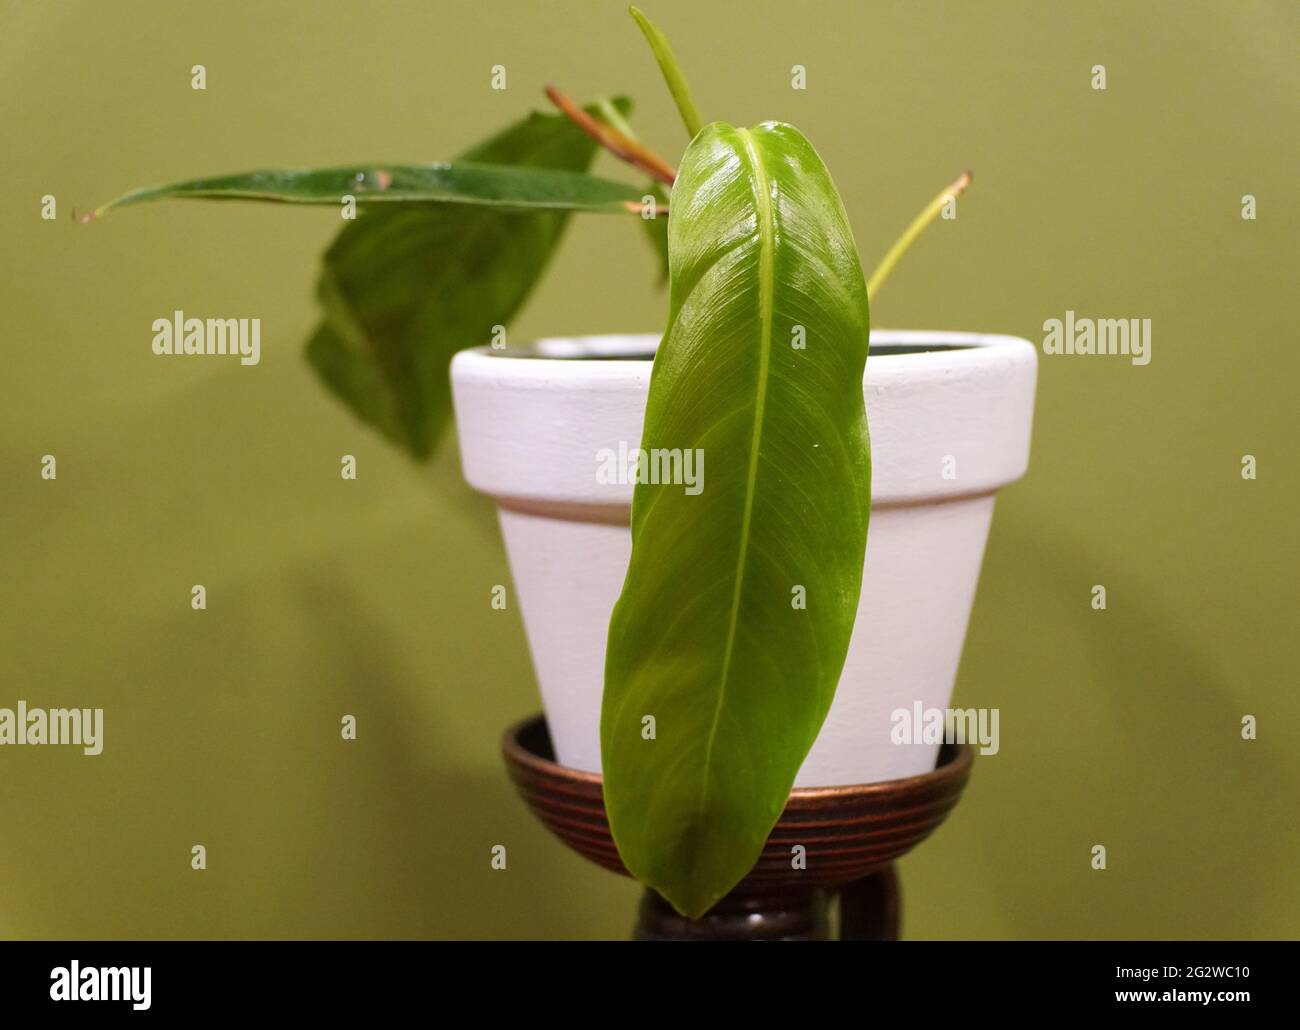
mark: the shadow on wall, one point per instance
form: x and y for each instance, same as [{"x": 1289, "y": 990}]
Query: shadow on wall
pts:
[
  {"x": 223, "y": 726},
  {"x": 440, "y": 822},
  {"x": 1117, "y": 726}
]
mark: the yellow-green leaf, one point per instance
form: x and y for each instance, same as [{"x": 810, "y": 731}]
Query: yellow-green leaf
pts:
[{"x": 734, "y": 620}]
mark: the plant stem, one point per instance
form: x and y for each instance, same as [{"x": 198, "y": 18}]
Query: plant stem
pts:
[
  {"x": 636, "y": 207},
  {"x": 672, "y": 73},
  {"x": 614, "y": 118},
  {"x": 612, "y": 140},
  {"x": 914, "y": 230}
]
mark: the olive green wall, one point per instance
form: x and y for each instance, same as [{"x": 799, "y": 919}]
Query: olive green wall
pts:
[{"x": 327, "y": 597}]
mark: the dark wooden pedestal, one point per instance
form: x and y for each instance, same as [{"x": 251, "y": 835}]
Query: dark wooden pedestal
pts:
[{"x": 851, "y": 836}]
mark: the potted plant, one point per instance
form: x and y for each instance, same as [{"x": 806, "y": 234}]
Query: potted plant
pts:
[{"x": 685, "y": 513}]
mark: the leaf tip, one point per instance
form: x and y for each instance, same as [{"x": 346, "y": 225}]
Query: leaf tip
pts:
[
  {"x": 693, "y": 898},
  {"x": 645, "y": 24},
  {"x": 672, "y": 73}
]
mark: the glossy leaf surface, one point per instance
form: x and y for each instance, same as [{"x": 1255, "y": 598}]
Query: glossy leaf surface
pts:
[{"x": 728, "y": 640}]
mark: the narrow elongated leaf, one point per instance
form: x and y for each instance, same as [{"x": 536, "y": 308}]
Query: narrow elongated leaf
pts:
[
  {"x": 405, "y": 286},
  {"x": 743, "y": 585},
  {"x": 501, "y": 186},
  {"x": 671, "y": 71}
]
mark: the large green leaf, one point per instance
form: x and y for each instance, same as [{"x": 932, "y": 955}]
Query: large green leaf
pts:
[
  {"x": 491, "y": 185},
  {"x": 406, "y": 286},
  {"x": 709, "y": 636}
]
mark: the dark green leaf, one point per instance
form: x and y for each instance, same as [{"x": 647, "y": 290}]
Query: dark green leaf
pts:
[
  {"x": 406, "y": 286},
  {"x": 493, "y": 185},
  {"x": 708, "y": 636}
]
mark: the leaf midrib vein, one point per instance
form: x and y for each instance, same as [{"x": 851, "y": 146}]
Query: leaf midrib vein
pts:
[{"x": 766, "y": 243}]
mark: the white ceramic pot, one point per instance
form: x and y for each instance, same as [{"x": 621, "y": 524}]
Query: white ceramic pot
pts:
[{"x": 950, "y": 417}]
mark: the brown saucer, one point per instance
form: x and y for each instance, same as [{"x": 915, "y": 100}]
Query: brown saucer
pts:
[{"x": 850, "y": 834}]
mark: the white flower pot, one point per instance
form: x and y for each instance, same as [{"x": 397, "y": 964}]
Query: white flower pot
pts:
[{"x": 950, "y": 417}]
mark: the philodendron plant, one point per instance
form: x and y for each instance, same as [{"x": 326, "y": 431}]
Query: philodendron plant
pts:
[{"x": 761, "y": 366}]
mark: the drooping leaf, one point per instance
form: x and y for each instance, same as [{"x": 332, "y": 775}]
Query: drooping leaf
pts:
[
  {"x": 735, "y": 616},
  {"x": 406, "y": 286},
  {"x": 492, "y": 185}
]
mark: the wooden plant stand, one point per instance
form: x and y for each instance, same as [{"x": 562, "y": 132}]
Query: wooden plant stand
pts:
[{"x": 851, "y": 836}]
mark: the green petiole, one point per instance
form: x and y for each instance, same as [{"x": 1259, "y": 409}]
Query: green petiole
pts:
[
  {"x": 672, "y": 73},
  {"x": 914, "y": 230}
]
